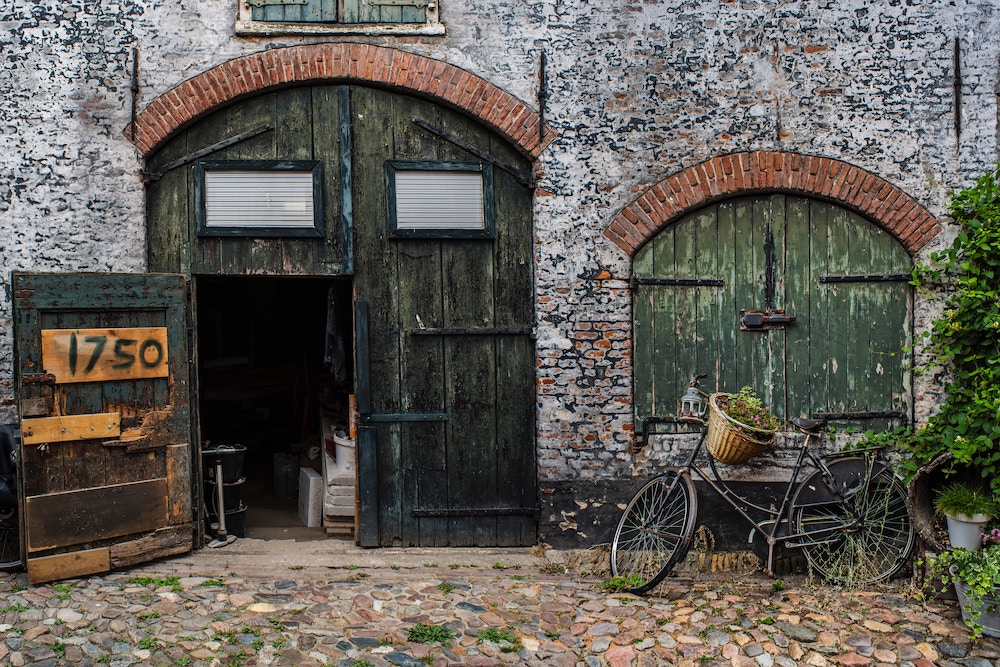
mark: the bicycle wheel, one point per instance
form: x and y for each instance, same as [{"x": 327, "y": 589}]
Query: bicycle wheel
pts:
[
  {"x": 655, "y": 531},
  {"x": 862, "y": 536},
  {"x": 10, "y": 543}
]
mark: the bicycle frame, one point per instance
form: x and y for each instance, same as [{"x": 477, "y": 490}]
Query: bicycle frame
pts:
[{"x": 777, "y": 530}]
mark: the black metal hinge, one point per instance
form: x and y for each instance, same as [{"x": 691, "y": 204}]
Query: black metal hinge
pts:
[
  {"x": 679, "y": 282},
  {"x": 875, "y": 278}
]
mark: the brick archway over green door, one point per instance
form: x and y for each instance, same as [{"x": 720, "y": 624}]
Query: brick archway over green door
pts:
[
  {"x": 339, "y": 62},
  {"x": 740, "y": 174}
]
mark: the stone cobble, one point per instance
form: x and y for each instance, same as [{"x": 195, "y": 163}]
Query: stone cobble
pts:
[{"x": 360, "y": 616}]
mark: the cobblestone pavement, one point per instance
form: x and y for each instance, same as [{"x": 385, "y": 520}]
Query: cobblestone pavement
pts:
[{"x": 495, "y": 607}]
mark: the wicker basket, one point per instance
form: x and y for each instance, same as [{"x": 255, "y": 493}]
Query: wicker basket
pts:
[{"x": 728, "y": 444}]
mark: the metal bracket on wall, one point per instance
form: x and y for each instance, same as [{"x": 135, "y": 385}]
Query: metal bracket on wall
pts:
[
  {"x": 153, "y": 176},
  {"x": 464, "y": 145}
]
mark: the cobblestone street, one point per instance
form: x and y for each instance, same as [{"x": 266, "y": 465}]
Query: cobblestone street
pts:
[{"x": 500, "y": 607}]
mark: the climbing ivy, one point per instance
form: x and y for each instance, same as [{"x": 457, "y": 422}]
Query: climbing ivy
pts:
[{"x": 965, "y": 339}]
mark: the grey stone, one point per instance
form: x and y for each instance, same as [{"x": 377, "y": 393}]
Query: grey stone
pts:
[
  {"x": 600, "y": 644},
  {"x": 403, "y": 660},
  {"x": 716, "y": 638},
  {"x": 468, "y": 606},
  {"x": 796, "y": 632},
  {"x": 952, "y": 650}
]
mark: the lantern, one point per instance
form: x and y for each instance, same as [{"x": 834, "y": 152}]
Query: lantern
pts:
[{"x": 692, "y": 405}]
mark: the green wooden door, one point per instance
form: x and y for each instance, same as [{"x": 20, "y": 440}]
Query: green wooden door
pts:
[
  {"x": 844, "y": 280},
  {"x": 102, "y": 379},
  {"x": 446, "y": 444}
]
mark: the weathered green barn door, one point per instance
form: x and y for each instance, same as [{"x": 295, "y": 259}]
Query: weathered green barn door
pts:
[
  {"x": 446, "y": 444},
  {"x": 102, "y": 378},
  {"x": 843, "y": 279}
]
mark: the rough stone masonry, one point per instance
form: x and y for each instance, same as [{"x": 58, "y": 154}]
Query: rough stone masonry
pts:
[{"x": 635, "y": 90}]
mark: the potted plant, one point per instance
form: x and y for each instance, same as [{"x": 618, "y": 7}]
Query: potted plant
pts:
[
  {"x": 976, "y": 577},
  {"x": 740, "y": 426},
  {"x": 968, "y": 508}
]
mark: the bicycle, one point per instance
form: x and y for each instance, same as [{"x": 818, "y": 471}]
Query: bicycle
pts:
[
  {"x": 848, "y": 517},
  {"x": 10, "y": 543}
]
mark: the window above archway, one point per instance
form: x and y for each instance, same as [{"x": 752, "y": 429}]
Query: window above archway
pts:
[
  {"x": 320, "y": 17},
  {"x": 842, "y": 353}
]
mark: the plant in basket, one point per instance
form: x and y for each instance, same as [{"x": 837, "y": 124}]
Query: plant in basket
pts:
[
  {"x": 753, "y": 416},
  {"x": 740, "y": 426}
]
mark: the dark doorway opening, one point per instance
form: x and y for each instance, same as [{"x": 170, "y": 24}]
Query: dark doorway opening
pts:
[{"x": 275, "y": 374}]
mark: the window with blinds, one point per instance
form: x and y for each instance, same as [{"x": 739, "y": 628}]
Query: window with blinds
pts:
[
  {"x": 259, "y": 198},
  {"x": 439, "y": 199}
]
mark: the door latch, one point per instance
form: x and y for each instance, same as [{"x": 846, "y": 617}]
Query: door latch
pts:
[{"x": 764, "y": 320}]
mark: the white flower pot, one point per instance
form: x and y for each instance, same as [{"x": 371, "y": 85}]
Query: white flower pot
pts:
[{"x": 965, "y": 531}]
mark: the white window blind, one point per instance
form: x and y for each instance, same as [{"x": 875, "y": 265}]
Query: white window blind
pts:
[
  {"x": 259, "y": 198},
  {"x": 427, "y": 199}
]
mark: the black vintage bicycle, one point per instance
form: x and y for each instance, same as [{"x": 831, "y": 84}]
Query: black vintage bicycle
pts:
[{"x": 845, "y": 511}]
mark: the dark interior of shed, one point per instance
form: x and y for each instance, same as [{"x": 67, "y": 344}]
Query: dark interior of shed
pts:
[{"x": 275, "y": 366}]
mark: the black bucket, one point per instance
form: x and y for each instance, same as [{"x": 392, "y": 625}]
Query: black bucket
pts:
[
  {"x": 231, "y": 457},
  {"x": 236, "y": 522}
]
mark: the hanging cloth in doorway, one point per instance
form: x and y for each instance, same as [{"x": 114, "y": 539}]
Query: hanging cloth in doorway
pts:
[{"x": 333, "y": 356}]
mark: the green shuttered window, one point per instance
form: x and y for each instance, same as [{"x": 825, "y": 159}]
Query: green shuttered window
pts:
[
  {"x": 312, "y": 16},
  {"x": 844, "y": 280}
]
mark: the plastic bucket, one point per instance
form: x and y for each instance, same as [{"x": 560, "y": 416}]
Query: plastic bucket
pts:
[{"x": 345, "y": 451}]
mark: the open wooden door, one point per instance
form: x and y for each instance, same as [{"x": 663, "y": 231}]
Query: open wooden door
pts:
[{"x": 102, "y": 381}]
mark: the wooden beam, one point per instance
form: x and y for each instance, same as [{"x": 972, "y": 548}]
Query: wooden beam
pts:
[
  {"x": 85, "y": 516},
  {"x": 65, "y": 566},
  {"x": 71, "y": 427}
]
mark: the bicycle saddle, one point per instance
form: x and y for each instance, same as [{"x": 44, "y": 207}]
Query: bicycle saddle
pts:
[{"x": 808, "y": 425}]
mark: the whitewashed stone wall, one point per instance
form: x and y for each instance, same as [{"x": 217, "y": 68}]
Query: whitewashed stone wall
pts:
[{"x": 636, "y": 89}]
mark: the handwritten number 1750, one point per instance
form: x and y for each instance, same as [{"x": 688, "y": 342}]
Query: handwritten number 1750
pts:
[{"x": 123, "y": 352}]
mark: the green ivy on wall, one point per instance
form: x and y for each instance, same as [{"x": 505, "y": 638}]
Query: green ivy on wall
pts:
[{"x": 965, "y": 339}]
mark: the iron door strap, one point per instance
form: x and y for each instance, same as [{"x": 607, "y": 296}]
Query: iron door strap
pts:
[
  {"x": 399, "y": 417},
  {"x": 475, "y": 511}
]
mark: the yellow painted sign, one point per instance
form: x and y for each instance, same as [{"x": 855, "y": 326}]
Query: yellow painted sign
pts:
[{"x": 101, "y": 355}]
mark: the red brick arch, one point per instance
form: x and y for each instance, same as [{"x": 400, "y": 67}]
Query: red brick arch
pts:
[
  {"x": 772, "y": 171},
  {"x": 350, "y": 62}
]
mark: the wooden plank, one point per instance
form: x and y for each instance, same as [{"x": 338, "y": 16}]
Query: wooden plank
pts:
[
  {"x": 725, "y": 376},
  {"x": 167, "y": 213},
  {"x": 179, "y": 476},
  {"x": 643, "y": 314},
  {"x": 684, "y": 362},
  {"x": 773, "y": 381},
  {"x": 376, "y": 281},
  {"x": 819, "y": 316},
  {"x": 71, "y": 427},
  {"x": 515, "y": 380},
  {"x": 88, "y": 515},
  {"x": 171, "y": 541},
  {"x": 100, "y": 355},
  {"x": 709, "y": 320},
  {"x": 838, "y": 311},
  {"x": 797, "y": 303},
  {"x": 664, "y": 325},
  {"x": 69, "y": 565},
  {"x": 422, "y": 361}
]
